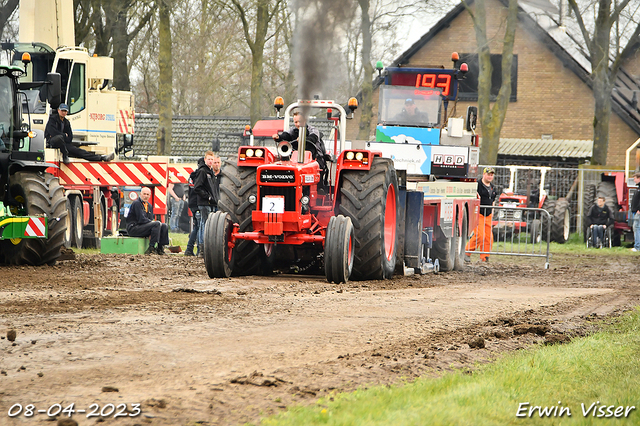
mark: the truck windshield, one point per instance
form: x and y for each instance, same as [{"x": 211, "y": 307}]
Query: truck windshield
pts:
[{"x": 409, "y": 106}]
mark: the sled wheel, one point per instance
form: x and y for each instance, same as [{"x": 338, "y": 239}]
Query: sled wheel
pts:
[
  {"x": 338, "y": 249},
  {"x": 218, "y": 254},
  {"x": 461, "y": 241},
  {"x": 68, "y": 234},
  {"x": 370, "y": 199},
  {"x": 36, "y": 194}
]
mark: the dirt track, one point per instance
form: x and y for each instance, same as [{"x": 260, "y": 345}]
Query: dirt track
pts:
[{"x": 192, "y": 350}]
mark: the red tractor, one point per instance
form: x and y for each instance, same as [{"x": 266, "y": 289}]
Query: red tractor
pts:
[
  {"x": 274, "y": 211},
  {"x": 509, "y": 221}
]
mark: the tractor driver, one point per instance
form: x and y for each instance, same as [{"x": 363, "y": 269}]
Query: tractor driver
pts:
[
  {"x": 314, "y": 144},
  {"x": 410, "y": 114}
]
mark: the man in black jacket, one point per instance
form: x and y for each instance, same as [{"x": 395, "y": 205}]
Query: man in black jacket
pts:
[
  {"x": 635, "y": 211},
  {"x": 59, "y": 135},
  {"x": 599, "y": 217},
  {"x": 207, "y": 189},
  {"x": 195, "y": 213},
  {"x": 140, "y": 223},
  {"x": 314, "y": 143}
]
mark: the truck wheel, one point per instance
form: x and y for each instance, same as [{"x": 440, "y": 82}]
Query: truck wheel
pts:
[
  {"x": 461, "y": 241},
  {"x": 370, "y": 199},
  {"x": 561, "y": 221},
  {"x": 218, "y": 255},
  {"x": 445, "y": 250},
  {"x": 78, "y": 222},
  {"x": 68, "y": 234},
  {"x": 236, "y": 186},
  {"x": 338, "y": 249},
  {"x": 38, "y": 194}
]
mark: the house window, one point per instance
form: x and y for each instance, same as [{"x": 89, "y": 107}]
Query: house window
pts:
[{"x": 468, "y": 88}]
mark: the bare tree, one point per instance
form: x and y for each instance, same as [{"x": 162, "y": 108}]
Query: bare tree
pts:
[
  {"x": 492, "y": 118},
  {"x": 7, "y": 9},
  {"x": 605, "y": 63},
  {"x": 165, "y": 86},
  {"x": 256, "y": 17}
]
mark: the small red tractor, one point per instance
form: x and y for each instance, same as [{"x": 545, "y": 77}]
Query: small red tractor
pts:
[
  {"x": 510, "y": 221},
  {"x": 271, "y": 198}
]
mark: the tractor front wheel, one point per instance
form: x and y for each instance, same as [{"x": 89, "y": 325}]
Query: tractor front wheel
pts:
[
  {"x": 338, "y": 249},
  {"x": 36, "y": 194},
  {"x": 218, "y": 254}
]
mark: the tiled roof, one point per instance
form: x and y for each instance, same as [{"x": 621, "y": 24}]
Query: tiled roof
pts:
[
  {"x": 193, "y": 136},
  {"x": 546, "y": 148}
]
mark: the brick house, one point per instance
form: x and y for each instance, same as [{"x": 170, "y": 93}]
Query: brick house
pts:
[{"x": 552, "y": 102}]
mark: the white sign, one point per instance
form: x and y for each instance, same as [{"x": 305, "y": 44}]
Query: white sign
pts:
[{"x": 273, "y": 204}]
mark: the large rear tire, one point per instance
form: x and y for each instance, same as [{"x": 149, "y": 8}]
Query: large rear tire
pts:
[
  {"x": 338, "y": 249},
  {"x": 237, "y": 184},
  {"x": 561, "y": 221},
  {"x": 37, "y": 194},
  {"x": 370, "y": 199},
  {"x": 219, "y": 257}
]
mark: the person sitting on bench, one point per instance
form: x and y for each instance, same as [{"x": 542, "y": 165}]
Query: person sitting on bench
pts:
[{"x": 140, "y": 223}]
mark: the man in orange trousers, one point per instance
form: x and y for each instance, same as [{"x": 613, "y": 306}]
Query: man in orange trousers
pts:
[{"x": 482, "y": 237}]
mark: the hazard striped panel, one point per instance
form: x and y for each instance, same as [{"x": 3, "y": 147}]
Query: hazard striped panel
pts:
[
  {"x": 36, "y": 227},
  {"x": 126, "y": 120},
  {"x": 160, "y": 200},
  {"x": 179, "y": 173},
  {"x": 113, "y": 173}
]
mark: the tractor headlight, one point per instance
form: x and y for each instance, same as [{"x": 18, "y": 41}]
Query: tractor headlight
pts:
[
  {"x": 304, "y": 200},
  {"x": 252, "y": 199},
  {"x": 350, "y": 155},
  {"x": 259, "y": 152},
  {"x": 517, "y": 215},
  {"x": 249, "y": 152},
  {"x": 359, "y": 156},
  {"x": 501, "y": 214}
]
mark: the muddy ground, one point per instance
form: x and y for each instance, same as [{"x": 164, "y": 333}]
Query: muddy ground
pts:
[{"x": 155, "y": 331}]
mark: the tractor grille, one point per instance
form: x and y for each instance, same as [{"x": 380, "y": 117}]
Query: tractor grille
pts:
[{"x": 289, "y": 193}]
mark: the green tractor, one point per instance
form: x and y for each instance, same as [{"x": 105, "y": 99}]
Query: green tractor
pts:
[{"x": 33, "y": 214}]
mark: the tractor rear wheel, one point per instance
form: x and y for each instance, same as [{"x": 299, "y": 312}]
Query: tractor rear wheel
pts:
[
  {"x": 37, "y": 194},
  {"x": 338, "y": 249},
  {"x": 561, "y": 221},
  {"x": 370, "y": 199},
  {"x": 218, "y": 255},
  {"x": 236, "y": 186}
]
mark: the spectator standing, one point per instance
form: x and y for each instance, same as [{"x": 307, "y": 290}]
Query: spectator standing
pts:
[
  {"x": 599, "y": 217},
  {"x": 177, "y": 202},
  {"x": 195, "y": 213},
  {"x": 207, "y": 189},
  {"x": 140, "y": 223},
  {"x": 635, "y": 211},
  {"x": 482, "y": 236}
]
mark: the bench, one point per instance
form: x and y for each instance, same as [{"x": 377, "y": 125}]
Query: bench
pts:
[{"x": 123, "y": 245}]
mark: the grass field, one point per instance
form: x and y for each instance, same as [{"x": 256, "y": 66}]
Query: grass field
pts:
[{"x": 597, "y": 374}]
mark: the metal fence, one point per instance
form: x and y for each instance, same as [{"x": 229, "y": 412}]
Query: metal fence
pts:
[
  {"x": 515, "y": 231},
  {"x": 580, "y": 185}
]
